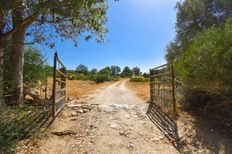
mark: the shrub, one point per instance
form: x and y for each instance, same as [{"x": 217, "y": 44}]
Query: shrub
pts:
[
  {"x": 102, "y": 78},
  {"x": 139, "y": 79},
  {"x": 35, "y": 67},
  {"x": 77, "y": 76},
  {"x": 206, "y": 65}
]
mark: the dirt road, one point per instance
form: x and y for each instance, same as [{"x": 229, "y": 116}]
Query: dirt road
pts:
[{"x": 111, "y": 121}]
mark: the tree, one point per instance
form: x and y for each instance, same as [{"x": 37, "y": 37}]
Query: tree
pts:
[
  {"x": 65, "y": 18},
  {"x": 115, "y": 70},
  {"x": 82, "y": 69},
  {"x": 206, "y": 65},
  {"x": 36, "y": 68},
  {"x": 194, "y": 16},
  {"x": 172, "y": 51},
  {"x": 105, "y": 70},
  {"x": 146, "y": 75},
  {"x": 136, "y": 71},
  {"x": 93, "y": 71},
  {"x": 127, "y": 72}
]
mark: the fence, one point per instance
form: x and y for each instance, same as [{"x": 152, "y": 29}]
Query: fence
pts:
[
  {"x": 59, "y": 85},
  {"x": 21, "y": 122},
  {"x": 162, "y": 87}
]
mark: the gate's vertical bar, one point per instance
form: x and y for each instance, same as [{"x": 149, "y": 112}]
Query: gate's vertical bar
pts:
[
  {"x": 46, "y": 87},
  {"x": 152, "y": 88},
  {"x": 54, "y": 86},
  {"x": 63, "y": 83},
  {"x": 173, "y": 88}
]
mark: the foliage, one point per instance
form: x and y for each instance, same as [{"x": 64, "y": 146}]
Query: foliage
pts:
[
  {"x": 139, "y": 79},
  {"x": 49, "y": 19},
  {"x": 115, "y": 70},
  {"x": 146, "y": 75},
  {"x": 17, "y": 124},
  {"x": 105, "y": 70},
  {"x": 102, "y": 78},
  {"x": 77, "y": 76},
  {"x": 172, "y": 51},
  {"x": 82, "y": 69},
  {"x": 127, "y": 72},
  {"x": 35, "y": 67},
  {"x": 136, "y": 71},
  {"x": 93, "y": 71},
  {"x": 194, "y": 16},
  {"x": 206, "y": 64}
]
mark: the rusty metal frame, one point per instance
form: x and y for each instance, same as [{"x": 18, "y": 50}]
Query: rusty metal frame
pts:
[
  {"x": 58, "y": 101},
  {"x": 162, "y": 87}
]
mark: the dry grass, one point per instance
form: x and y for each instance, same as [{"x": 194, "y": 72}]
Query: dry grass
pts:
[
  {"x": 142, "y": 89},
  {"x": 77, "y": 89}
]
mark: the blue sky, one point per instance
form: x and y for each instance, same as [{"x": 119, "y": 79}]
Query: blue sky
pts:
[{"x": 139, "y": 31}]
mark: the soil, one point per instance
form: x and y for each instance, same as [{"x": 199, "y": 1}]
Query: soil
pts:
[
  {"x": 112, "y": 120},
  {"x": 77, "y": 89},
  {"x": 142, "y": 89},
  {"x": 116, "y": 120}
]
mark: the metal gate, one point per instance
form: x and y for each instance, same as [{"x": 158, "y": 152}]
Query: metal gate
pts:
[
  {"x": 59, "y": 85},
  {"x": 162, "y": 88}
]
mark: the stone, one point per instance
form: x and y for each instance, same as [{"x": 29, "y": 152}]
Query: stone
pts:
[
  {"x": 80, "y": 111},
  {"x": 74, "y": 113},
  {"x": 127, "y": 116},
  {"x": 105, "y": 108},
  {"x": 113, "y": 126}
]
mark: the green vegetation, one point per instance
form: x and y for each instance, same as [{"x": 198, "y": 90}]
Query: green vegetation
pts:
[
  {"x": 127, "y": 72},
  {"x": 18, "y": 124},
  {"x": 24, "y": 21},
  {"x": 36, "y": 68},
  {"x": 106, "y": 74},
  {"x": 206, "y": 64},
  {"x": 202, "y": 51},
  {"x": 139, "y": 79}
]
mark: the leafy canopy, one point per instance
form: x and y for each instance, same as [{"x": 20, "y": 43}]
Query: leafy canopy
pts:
[
  {"x": 46, "y": 19},
  {"x": 35, "y": 67},
  {"x": 82, "y": 69},
  {"x": 206, "y": 64}
]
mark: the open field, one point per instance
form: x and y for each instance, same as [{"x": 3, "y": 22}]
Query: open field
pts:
[
  {"x": 142, "y": 89},
  {"x": 77, "y": 89}
]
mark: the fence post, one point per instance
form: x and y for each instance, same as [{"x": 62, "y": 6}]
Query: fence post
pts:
[
  {"x": 46, "y": 88},
  {"x": 152, "y": 87},
  {"x": 173, "y": 88},
  {"x": 54, "y": 86}
]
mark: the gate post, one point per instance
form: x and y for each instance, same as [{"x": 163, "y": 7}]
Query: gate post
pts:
[
  {"x": 173, "y": 88},
  {"x": 54, "y": 86},
  {"x": 152, "y": 87}
]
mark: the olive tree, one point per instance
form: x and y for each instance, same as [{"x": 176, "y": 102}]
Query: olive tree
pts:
[{"x": 41, "y": 20}]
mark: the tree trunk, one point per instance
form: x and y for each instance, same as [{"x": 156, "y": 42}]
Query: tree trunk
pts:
[
  {"x": 16, "y": 67},
  {"x": 1, "y": 66},
  {"x": 16, "y": 62}
]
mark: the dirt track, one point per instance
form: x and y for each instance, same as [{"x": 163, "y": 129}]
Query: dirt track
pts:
[{"x": 111, "y": 121}]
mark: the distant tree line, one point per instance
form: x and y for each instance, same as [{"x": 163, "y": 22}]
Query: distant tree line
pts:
[{"x": 108, "y": 73}]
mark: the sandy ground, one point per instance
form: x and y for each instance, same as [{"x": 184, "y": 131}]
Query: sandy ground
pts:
[
  {"x": 142, "y": 89},
  {"x": 77, "y": 89},
  {"x": 112, "y": 120}
]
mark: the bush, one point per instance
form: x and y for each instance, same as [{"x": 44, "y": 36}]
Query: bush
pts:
[
  {"x": 102, "y": 78},
  {"x": 206, "y": 65},
  {"x": 35, "y": 67},
  {"x": 139, "y": 79},
  {"x": 77, "y": 76}
]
